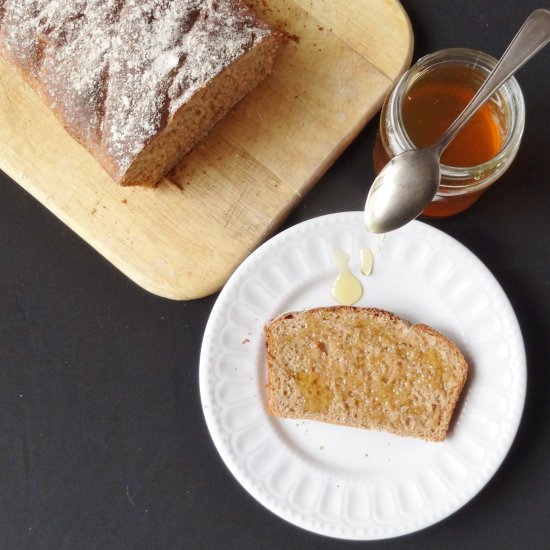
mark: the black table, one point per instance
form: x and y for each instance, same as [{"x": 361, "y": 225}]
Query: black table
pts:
[{"x": 103, "y": 440}]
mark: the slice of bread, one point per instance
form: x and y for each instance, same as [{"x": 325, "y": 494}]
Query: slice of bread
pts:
[{"x": 363, "y": 367}]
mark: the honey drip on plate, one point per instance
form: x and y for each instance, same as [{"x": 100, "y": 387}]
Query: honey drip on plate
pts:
[
  {"x": 379, "y": 242},
  {"x": 367, "y": 261},
  {"x": 346, "y": 288}
]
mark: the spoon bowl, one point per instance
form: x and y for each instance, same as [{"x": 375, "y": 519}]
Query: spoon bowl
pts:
[{"x": 388, "y": 205}]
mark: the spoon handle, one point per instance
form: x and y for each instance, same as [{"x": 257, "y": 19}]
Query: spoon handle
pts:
[{"x": 533, "y": 36}]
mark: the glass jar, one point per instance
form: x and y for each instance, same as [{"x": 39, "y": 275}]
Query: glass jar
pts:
[{"x": 456, "y": 70}]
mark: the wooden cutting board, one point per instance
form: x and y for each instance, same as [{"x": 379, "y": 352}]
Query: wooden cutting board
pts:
[{"x": 184, "y": 239}]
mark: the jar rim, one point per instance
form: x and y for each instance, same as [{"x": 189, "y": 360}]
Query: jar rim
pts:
[{"x": 511, "y": 95}]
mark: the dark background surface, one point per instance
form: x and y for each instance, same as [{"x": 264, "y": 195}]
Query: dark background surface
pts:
[{"x": 103, "y": 443}]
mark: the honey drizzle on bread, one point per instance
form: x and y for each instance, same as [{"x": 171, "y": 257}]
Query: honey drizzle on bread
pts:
[{"x": 363, "y": 367}]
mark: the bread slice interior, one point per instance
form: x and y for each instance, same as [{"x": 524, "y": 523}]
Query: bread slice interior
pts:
[{"x": 363, "y": 367}]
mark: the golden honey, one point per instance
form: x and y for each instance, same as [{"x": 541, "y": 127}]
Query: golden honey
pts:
[
  {"x": 379, "y": 379},
  {"x": 346, "y": 288},
  {"x": 425, "y": 102}
]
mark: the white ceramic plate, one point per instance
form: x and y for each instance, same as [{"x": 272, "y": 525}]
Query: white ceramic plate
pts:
[{"x": 345, "y": 482}]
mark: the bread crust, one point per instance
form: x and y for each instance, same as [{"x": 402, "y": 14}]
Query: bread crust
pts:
[
  {"x": 290, "y": 372},
  {"x": 137, "y": 83}
]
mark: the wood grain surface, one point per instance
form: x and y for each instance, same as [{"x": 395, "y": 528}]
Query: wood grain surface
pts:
[{"x": 183, "y": 239}]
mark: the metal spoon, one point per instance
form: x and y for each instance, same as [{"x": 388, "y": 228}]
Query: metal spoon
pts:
[{"x": 410, "y": 180}]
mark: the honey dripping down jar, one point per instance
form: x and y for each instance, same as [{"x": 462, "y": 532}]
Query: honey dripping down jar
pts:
[{"x": 422, "y": 105}]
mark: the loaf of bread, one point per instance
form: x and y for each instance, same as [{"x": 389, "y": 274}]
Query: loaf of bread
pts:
[
  {"x": 363, "y": 367},
  {"x": 137, "y": 82}
]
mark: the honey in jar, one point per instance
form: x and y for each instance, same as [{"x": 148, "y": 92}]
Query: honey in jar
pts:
[{"x": 425, "y": 102}]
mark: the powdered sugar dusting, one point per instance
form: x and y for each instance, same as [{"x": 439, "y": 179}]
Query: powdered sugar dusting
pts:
[{"x": 117, "y": 70}]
